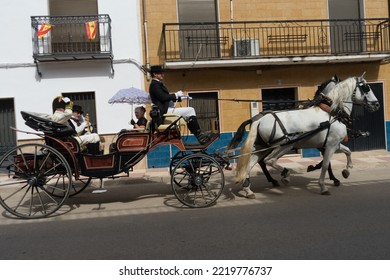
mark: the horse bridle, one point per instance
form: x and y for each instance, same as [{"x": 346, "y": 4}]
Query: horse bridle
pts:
[{"x": 363, "y": 87}]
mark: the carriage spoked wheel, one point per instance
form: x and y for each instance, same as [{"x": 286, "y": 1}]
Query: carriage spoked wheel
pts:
[
  {"x": 197, "y": 180},
  {"x": 77, "y": 187},
  {"x": 176, "y": 158},
  {"x": 30, "y": 175}
]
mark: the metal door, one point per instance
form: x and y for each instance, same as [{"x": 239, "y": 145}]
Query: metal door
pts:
[
  {"x": 374, "y": 123},
  {"x": 7, "y": 119},
  {"x": 206, "y": 108}
]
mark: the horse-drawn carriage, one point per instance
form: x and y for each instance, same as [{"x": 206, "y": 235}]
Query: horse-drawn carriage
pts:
[{"x": 37, "y": 178}]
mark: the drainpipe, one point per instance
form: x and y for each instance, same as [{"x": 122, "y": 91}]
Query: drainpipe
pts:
[
  {"x": 232, "y": 18},
  {"x": 145, "y": 24}
]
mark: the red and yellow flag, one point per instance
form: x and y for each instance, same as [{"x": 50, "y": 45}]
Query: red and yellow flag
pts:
[
  {"x": 91, "y": 28},
  {"x": 44, "y": 29}
]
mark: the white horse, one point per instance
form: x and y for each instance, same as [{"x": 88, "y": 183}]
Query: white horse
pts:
[
  {"x": 304, "y": 128},
  {"x": 319, "y": 96}
]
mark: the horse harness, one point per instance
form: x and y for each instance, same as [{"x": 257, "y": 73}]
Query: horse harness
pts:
[
  {"x": 290, "y": 137},
  {"x": 324, "y": 103}
]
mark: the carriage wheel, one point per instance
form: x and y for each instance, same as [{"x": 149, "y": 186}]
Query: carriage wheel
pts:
[
  {"x": 77, "y": 187},
  {"x": 197, "y": 180},
  {"x": 175, "y": 159},
  {"x": 29, "y": 175}
]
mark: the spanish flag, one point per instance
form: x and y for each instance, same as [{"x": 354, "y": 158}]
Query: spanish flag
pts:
[
  {"x": 44, "y": 29},
  {"x": 91, "y": 28}
]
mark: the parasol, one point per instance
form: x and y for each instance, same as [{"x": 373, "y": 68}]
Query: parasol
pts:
[{"x": 131, "y": 96}]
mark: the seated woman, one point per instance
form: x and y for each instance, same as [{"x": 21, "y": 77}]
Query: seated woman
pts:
[
  {"x": 62, "y": 113},
  {"x": 141, "y": 120}
]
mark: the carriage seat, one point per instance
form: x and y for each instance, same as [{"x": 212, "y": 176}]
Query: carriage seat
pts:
[
  {"x": 169, "y": 119},
  {"x": 40, "y": 122}
]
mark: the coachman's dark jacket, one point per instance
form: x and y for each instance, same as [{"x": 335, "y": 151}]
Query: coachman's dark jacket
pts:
[{"x": 160, "y": 96}]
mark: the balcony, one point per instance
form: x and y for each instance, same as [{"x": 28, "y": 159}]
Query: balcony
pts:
[
  {"x": 67, "y": 38},
  {"x": 249, "y": 43}
]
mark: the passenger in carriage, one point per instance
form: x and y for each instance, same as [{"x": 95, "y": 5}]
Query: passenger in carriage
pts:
[
  {"x": 141, "y": 120},
  {"x": 79, "y": 122},
  {"x": 164, "y": 101},
  {"x": 62, "y": 113}
]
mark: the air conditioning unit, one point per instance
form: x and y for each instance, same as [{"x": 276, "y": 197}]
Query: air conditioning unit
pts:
[{"x": 246, "y": 47}]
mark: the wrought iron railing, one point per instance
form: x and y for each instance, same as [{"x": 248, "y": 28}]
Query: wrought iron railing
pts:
[
  {"x": 228, "y": 40},
  {"x": 66, "y": 37}
]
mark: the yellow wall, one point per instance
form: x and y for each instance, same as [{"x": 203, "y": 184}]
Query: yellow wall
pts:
[
  {"x": 273, "y": 10},
  {"x": 246, "y": 84},
  {"x": 243, "y": 82}
]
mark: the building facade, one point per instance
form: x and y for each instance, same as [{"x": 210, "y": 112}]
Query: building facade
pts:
[
  {"x": 85, "y": 49},
  {"x": 235, "y": 58},
  {"x": 238, "y": 57}
]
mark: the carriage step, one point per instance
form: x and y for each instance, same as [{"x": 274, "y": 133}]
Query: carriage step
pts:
[{"x": 100, "y": 190}]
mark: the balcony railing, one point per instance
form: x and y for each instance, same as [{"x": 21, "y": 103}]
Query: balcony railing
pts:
[
  {"x": 272, "y": 39},
  {"x": 71, "y": 37}
]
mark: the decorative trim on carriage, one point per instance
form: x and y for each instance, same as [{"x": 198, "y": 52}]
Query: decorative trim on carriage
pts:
[
  {"x": 99, "y": 162},
  {"x": 72, "y": 144},
  {"x": 134, "y": 143}
]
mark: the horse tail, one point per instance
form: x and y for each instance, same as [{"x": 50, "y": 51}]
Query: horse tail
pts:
[
  {"x": 241, "y": 131},
  {"x": 239, "y": 135},
  {"x": 245, "y": 153}
]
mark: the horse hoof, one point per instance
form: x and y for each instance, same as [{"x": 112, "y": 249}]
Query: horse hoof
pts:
[
  {"x": 325, "y": 193},
  {"x": 336, "y": 183},
  {"x": 275, "y": 184},
  {"x": 310, "y": 168},
  {"x": 345, "y": 173},
  {"x": 285, "y": 181},
  {"x": 251, "y": 196}
]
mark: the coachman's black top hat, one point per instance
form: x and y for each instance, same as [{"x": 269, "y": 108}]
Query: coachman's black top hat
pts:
[
  {"x": 78, "y": 108},
  {"x": 156, "y": 69}
]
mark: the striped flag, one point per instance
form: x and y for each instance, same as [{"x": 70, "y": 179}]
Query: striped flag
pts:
[
  {"x": 44, "y": 29},
  {"x": 91, "y": 28}
]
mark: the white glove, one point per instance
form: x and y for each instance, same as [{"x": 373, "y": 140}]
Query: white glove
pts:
[
  {"x": 66, "y": 99},
  {"x": 179, "y": 94}
]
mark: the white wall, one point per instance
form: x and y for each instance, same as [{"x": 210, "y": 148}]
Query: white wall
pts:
[{"x": 18, "y": 75}]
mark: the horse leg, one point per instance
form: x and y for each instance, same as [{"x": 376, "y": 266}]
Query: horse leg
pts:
[
  {"x": 272, "y": 159},
  {"x": 328, "y": 153},
  {"x": 311, "y": 168},
  {"x": 347, "y": 153},
  {"x": 263, "y": 166},
  {"x": 336, "y": 181},
  {"x": 246, "y": 186}
]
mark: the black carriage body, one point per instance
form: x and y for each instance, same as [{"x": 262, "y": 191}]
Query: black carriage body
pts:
[
  {"x": 39, "y": 177},
  {"x": 128, "y": 150}
]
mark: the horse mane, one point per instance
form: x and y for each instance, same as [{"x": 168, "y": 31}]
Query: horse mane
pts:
[
  {"x": 341, "y": 92},
  {"x": 323, "y": 86}
]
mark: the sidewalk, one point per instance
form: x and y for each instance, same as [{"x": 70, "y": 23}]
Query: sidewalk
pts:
[{"x": 360, "y": 160}]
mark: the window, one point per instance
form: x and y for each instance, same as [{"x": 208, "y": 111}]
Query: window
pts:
[
  {"x": 206, "y": 108},
  {"x": 197, "y": 41},
  {"x": 344, "y": 36},
  {"x": 73, "y": 7},
  {"x": 276, "y": 99},
  {"x": 70, "y": 37},
  {"x": 87, "y": 101}
]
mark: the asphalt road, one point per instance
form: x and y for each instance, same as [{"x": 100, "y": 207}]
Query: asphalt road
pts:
[{"x": 140, "y": 219}]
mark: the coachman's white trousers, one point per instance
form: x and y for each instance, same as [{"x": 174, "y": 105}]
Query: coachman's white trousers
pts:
[{"x": 185, "y": 112}]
